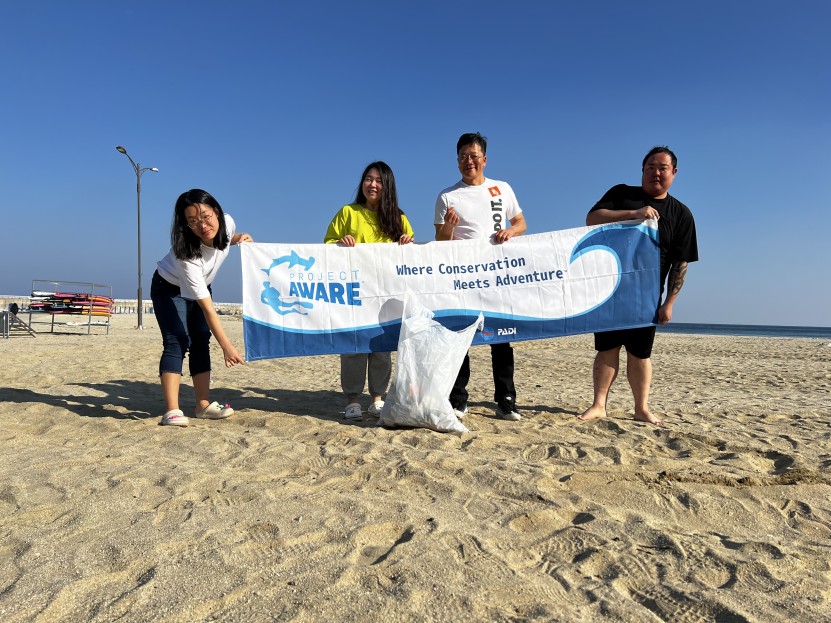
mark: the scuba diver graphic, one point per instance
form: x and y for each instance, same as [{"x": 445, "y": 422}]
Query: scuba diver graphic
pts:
[{"x": 271, "y": 296}]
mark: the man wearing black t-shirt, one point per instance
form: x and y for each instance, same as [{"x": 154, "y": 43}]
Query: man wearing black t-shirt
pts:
[{"x": 678, "y": 244}]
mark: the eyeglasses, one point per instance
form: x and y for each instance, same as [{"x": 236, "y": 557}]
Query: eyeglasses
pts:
[
  {"x": 475, "y": 158},
  {"x": 205, "y": 217},
  {"x": 663, "y": 168}
]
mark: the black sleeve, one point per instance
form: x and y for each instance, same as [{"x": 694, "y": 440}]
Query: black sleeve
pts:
[
  {"x": 611, "y": 199},
  {"x": 684, "y": 240}
]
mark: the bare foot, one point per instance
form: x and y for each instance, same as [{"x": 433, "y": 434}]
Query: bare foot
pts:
[
  {"x": 592, "y": 413},
  {"x": 648, "y": 418}
]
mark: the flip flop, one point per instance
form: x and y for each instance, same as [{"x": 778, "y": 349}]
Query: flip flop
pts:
[{"x": 215, "y": 412}]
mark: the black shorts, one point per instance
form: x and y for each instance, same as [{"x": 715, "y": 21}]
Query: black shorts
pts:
[{"x": 638, "y": 342}]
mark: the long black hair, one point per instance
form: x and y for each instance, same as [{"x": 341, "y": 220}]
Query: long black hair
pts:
[
  {"x": 389, "y": 214},
  {"x": 186, "y": 245}
]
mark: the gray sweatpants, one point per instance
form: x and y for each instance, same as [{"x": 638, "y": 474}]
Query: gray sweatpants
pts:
[{"x": 353, "y": 373}]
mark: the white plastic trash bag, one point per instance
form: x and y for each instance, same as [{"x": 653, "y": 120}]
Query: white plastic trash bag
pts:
[{"x": 429, "y": 358}]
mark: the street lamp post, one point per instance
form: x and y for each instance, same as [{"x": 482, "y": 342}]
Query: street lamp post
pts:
[{"x": 139, "y": 172}]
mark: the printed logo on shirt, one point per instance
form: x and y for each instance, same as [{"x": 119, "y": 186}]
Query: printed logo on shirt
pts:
[
  {"x": 496, "y": 213},
  {"x": 494, "y": 191}
]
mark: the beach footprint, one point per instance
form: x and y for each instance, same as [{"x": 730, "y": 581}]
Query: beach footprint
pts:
[
  {"x": 478, "y": 560},
  {"x": 261, "y": 544},
  {"x": 672, "y": 605}
]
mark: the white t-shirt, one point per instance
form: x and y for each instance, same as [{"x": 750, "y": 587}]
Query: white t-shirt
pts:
[
  {"x": 194, "y": 276},
  {"x": 483, "y": 210}
]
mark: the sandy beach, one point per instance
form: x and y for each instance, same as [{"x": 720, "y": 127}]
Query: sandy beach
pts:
[{"x": 288, "y": 512}]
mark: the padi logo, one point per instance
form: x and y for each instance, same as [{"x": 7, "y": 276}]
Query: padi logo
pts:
[
  {"x": 305, "y": 286},
  {"x": 488, "y": 333}
]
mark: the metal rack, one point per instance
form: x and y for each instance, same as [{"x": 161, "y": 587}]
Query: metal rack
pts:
[
  {"x": 11, "y": 323},
  {"x": 48, "y": 286}
]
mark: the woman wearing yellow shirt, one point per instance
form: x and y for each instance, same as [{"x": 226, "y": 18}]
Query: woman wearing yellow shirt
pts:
[{"x": 374, "y": 216}]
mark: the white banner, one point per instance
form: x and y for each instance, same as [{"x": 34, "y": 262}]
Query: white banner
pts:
[{"x": 311, "y": 299}]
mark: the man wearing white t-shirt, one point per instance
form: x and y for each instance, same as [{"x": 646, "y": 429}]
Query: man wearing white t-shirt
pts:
[{"x": 478, "y": 207}]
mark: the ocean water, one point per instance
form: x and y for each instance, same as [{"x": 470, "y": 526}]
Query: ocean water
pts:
[{"x": 752, "y": 330}]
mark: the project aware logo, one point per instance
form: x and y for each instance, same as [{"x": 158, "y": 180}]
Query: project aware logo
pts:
[
  {"x": 305, "y": 287},
  {"x": 272, "y": 297}
]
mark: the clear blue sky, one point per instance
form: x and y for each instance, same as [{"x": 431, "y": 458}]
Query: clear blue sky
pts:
[{"x": 276, "y": 107}]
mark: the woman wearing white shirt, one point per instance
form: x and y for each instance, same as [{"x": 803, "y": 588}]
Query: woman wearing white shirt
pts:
[{"x": 200, "y": 237}]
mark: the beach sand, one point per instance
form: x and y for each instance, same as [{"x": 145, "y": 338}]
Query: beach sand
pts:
[{"x": 287, "y": 512}]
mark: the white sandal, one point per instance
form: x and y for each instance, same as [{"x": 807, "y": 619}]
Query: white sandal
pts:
[
  {"x": 215, "y": 412},
  {"x": 174, "y": 417},
  {"x": 353, "y": 411}
]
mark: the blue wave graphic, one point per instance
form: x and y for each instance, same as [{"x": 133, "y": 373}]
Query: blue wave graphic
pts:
[{"x": 636, "y": 295}]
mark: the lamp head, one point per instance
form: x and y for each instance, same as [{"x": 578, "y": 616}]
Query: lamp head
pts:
[
  {"x": 120, "y": 149},
  {"x": 154, "y": 169}
]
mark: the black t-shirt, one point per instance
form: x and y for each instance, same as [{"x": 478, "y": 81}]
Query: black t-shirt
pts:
[{"x": 676, "y": 227}]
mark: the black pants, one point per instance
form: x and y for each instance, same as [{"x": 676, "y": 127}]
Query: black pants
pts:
[
  {"x": 183, "y": 326},
  {"x": 502, "y": 363}
]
